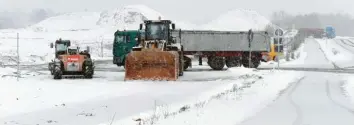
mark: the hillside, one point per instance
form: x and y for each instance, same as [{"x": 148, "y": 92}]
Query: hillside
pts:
[{"x": 239, "y": 19}]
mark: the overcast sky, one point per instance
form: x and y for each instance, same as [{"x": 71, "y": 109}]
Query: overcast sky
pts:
[{"x": 190, "y": 10}]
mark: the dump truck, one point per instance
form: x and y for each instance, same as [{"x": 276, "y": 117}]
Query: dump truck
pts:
[
  {"x": 70, "y": 61},
  {"x": 230, "y": 48},
  {"x": 157, "y": 56}
]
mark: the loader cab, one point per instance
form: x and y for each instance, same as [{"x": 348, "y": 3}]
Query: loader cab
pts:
[
  {"x": 157, "y": 29},
  {"x": 73, "y": 50},
  {"x": 60, "y": 46}
]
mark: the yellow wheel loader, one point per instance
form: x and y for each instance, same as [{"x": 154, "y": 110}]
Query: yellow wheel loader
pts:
[{"x": 157, "y": 56}]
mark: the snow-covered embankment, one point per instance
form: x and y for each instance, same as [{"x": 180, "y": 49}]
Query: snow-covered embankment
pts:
[{"x": 228, "y": 104}]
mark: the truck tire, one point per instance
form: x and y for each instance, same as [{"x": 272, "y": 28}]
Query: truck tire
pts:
[
  {"x": 57, "y": 73},
  {"x": 232, "y": 62},
  {"x": 216, "y": 62},
  {"x": 254, "y": 63}
]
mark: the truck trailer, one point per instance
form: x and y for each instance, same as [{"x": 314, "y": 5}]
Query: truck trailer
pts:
[{"x": 230, "y": 48}]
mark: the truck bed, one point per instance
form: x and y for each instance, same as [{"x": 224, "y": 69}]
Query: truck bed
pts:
[{"x": 197, "y": 40}]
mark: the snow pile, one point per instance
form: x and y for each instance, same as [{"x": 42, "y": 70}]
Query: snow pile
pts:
[
  {"x": 128, "y": 17},
  {"x": 237, "y": 99},
  {"x": 239, "y": 20},
  {"x": 70, "y": 22}
]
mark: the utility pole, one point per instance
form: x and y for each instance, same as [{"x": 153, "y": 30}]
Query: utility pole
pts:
[
  {"x": 101, "y": 46},
  {"x": 278, "y": 33},
  {"x": 278, "y": 52},
  {"x": 18, "y": 57},
  {"x": 250, "y": 38}
]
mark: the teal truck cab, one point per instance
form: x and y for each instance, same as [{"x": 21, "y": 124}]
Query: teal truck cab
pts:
[{"x": 123, "y": 42}]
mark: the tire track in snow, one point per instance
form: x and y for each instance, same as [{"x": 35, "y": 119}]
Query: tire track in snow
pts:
[
  {"x": 334, "y": 102},
  {"x": 351, "y": 43},
  {"x": 287, "y": 92},
  {"x": 344, "y": 47},
  {"x": 334, "y": 65},
  {"x": 299, "y": 116}
]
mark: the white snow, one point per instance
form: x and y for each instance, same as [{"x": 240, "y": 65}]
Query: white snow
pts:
[
  {"x": 69, "y": 21},
  {"x": 338, "y": 51},
  {"x": 7, "y": 71},
  {"x": 36, "y": 93},
  {"x": 348, "y": 87},
  {"x": 234, "y": 101},
  {"x": 239, "y": 19},
  {"x": 39, "y": 91}
]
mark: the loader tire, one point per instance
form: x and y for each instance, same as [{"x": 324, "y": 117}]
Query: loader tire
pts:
[
  {"x": 88, "y": 72},
  {"x": 57, "y": 74}
]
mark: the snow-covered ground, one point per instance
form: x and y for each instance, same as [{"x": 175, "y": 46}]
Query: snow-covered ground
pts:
[
  {"x": 37, "y": 99},
  {"x": 317, "y": 99},
  {"x": 340, "y": 51},
  {"x": 235, "y": 102},
  {"x": 348, "y": 86}
]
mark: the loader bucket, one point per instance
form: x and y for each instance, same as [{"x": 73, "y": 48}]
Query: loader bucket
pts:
[{"x": 152, "y": 65}]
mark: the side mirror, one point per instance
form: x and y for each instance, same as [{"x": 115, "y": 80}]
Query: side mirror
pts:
[
  {"x": 51, "y": 45},
  {"x": 141, "y": 26},
  {"x": 173, "y": 26}
]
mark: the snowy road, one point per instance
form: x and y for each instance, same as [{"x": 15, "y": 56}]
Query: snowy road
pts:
[
  {"x": 318, "y": 99},
  {"x": 315, "y": 100}
]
